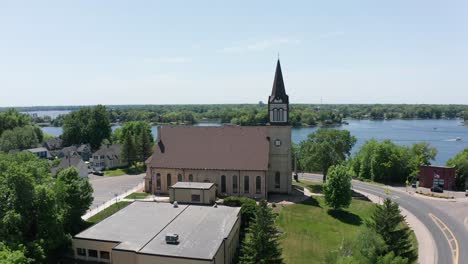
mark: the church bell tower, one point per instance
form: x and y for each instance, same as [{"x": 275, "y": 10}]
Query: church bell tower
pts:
[
  {"x": 278, "y": 101},
  {"x": 279, "y": 175}
]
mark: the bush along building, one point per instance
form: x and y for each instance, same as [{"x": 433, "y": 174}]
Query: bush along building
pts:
[{"x": 241, "y": 161}]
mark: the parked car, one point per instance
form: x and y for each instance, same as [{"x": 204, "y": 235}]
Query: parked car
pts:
[
  {"x": 98, "y": 173},
  {"x": 413, "y": 185},
  {"x": 437, "y": 189},
  {"x": 466, "y": 192}
]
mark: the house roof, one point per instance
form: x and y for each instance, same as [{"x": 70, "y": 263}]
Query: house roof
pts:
[
  {"x": 53, "y": 143},
  {"x": 221, "y": 148},
  {"x": 193, "y": 185},
  {"x": 36, "y": 150},
  {"x": 201, "y": 229},
  {"x": 278, "y": 92},
  {"x": 110, "y": 151},
  {"x": 69, "y": 161}
]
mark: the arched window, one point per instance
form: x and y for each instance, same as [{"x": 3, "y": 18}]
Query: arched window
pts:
[
  {"x": 275, "y": 114},
  {"x": 246, "y": 184},
  {"x": 190, "y": 178},
  {"x": 223, "y": 184},
  {"x": 280, "y": 114},
  {"x": 234, "y": 183},
  {"x": 158, "y": 181},
  {"x": 258, "y": 184},
  {"x": 168, "y": 180},
  {"x": 277, "y": 180},
  {"x": 179, "y": 177}
]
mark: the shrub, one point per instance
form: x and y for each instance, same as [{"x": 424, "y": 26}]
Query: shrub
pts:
[{"x": 248, "y": 207}]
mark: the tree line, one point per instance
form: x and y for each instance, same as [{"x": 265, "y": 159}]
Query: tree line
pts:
[
  {"x": 379, "y": 161},
  {"x": 250, "y": 114}
]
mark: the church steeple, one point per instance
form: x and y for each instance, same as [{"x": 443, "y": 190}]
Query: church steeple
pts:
[
  {"x": 278, "y": 101},
  {"x": 278, "y": 92}
]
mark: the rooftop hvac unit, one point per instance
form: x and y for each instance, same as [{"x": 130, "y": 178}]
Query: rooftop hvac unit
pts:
[{"x": 172, "y": 239}]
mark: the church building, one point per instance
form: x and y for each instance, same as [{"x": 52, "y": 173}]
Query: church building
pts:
[{"x": 251, "y": 161}]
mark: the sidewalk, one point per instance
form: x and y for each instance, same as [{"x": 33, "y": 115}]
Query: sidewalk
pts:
[{"x": 112, "y": 201}]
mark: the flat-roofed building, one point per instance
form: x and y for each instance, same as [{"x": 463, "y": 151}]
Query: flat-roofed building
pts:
[
  {"x": 193, "y": 192},
  {"x": 139, "y": 234}
]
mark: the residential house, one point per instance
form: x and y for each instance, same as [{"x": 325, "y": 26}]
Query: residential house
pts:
[
  {"x": 73, "y": 160},
  {"x": 42, "y": 152},
  {"x": 84, "y": 150},
  {"x": 53, "y": 144},
  {"x": 108, "y": 157}
]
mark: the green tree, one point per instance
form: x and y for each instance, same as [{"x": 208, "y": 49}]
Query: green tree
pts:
[
  {"x": 76, "y": 195},
  {"x": 324, "y": 148},
  {"x": 337, "y": 188},
  {"x": 460, "y": 162},
  {"x": 11, "y": 119},
  {"x": 20, "y": 138},
  {"x": 41, "y": 212},
  {"x": 136, "y": 139},
  {"x": 261, "y": 245},
  {"x": 390, "y": 225},
  {"x": 420, "y": 154},
  {"x": 12, "y": 256},
  {"x": 129, "y": 150},
  {"x": 87, "y": 125}
]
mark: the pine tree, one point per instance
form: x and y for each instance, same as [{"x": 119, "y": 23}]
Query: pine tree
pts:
[
  {"x": 390, "y": 224},
  {"x": 261, "y": 243},
  {"x": 129, "y": 151},
  {"x": 144, "y": 145}
]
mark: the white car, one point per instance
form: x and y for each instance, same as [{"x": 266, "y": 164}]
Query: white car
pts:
[{"x": 466, "y": 192}]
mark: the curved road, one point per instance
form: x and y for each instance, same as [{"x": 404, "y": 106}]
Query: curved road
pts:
[{"x": 448, "y": 230}]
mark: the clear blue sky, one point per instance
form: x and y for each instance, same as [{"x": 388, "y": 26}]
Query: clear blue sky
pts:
[{"x": 178, "y": 52}]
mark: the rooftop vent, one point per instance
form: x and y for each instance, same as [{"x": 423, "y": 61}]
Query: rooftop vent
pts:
[
  {"x": 172, "y": 239},
  {"x": 175, "y": 204}
]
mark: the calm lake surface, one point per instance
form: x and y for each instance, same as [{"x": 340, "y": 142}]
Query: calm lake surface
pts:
[{"x": 441, "y": 134}]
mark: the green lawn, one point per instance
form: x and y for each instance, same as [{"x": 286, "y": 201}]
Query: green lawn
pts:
[
  {"x": 311, "y": 230},
  {"x": 107, "y": 212},
  {"x": 315, "y": 187},
  {"x": 133, "y": 170},
  {"x": 137, "y": 195}
]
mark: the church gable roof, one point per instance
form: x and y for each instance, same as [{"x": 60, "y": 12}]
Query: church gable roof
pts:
[
  {"x": 278, "y": 92},
  {"x": 216, "y": 148}
]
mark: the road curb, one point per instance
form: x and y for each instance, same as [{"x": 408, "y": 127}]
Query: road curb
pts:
[{"x": 427, "y": 253}]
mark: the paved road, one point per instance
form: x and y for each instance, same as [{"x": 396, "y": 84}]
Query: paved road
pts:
[
  {"x": 445, "y": 220},
  {"x": 106, "y": 188}
]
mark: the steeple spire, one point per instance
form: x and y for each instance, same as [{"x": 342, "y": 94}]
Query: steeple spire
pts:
[{"x": 278, "y": 92}]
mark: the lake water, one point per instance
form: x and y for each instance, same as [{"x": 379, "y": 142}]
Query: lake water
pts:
[
  {"x": 441, "y": 134},
  {"x": 52, "y": 113}
]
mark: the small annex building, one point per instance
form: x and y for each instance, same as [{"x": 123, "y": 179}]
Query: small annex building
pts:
[
  {"x": 193, "y": 192},
  {"x": 441, "y": 176},
  {"x": 138, "y": 234}
]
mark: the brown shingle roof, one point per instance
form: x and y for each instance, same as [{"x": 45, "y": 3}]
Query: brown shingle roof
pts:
[{"x": 222, "y": 148}]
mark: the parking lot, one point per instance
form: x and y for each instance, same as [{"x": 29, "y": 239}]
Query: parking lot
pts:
[{"x": 106, "y": 188}]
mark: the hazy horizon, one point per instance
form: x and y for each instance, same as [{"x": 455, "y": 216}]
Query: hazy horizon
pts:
[{"x": 203, "y": 52}]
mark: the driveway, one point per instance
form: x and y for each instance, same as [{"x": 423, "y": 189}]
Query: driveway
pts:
[
  {"x": 106, "y": 188},
  {"x": 444, "y": 219}
]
